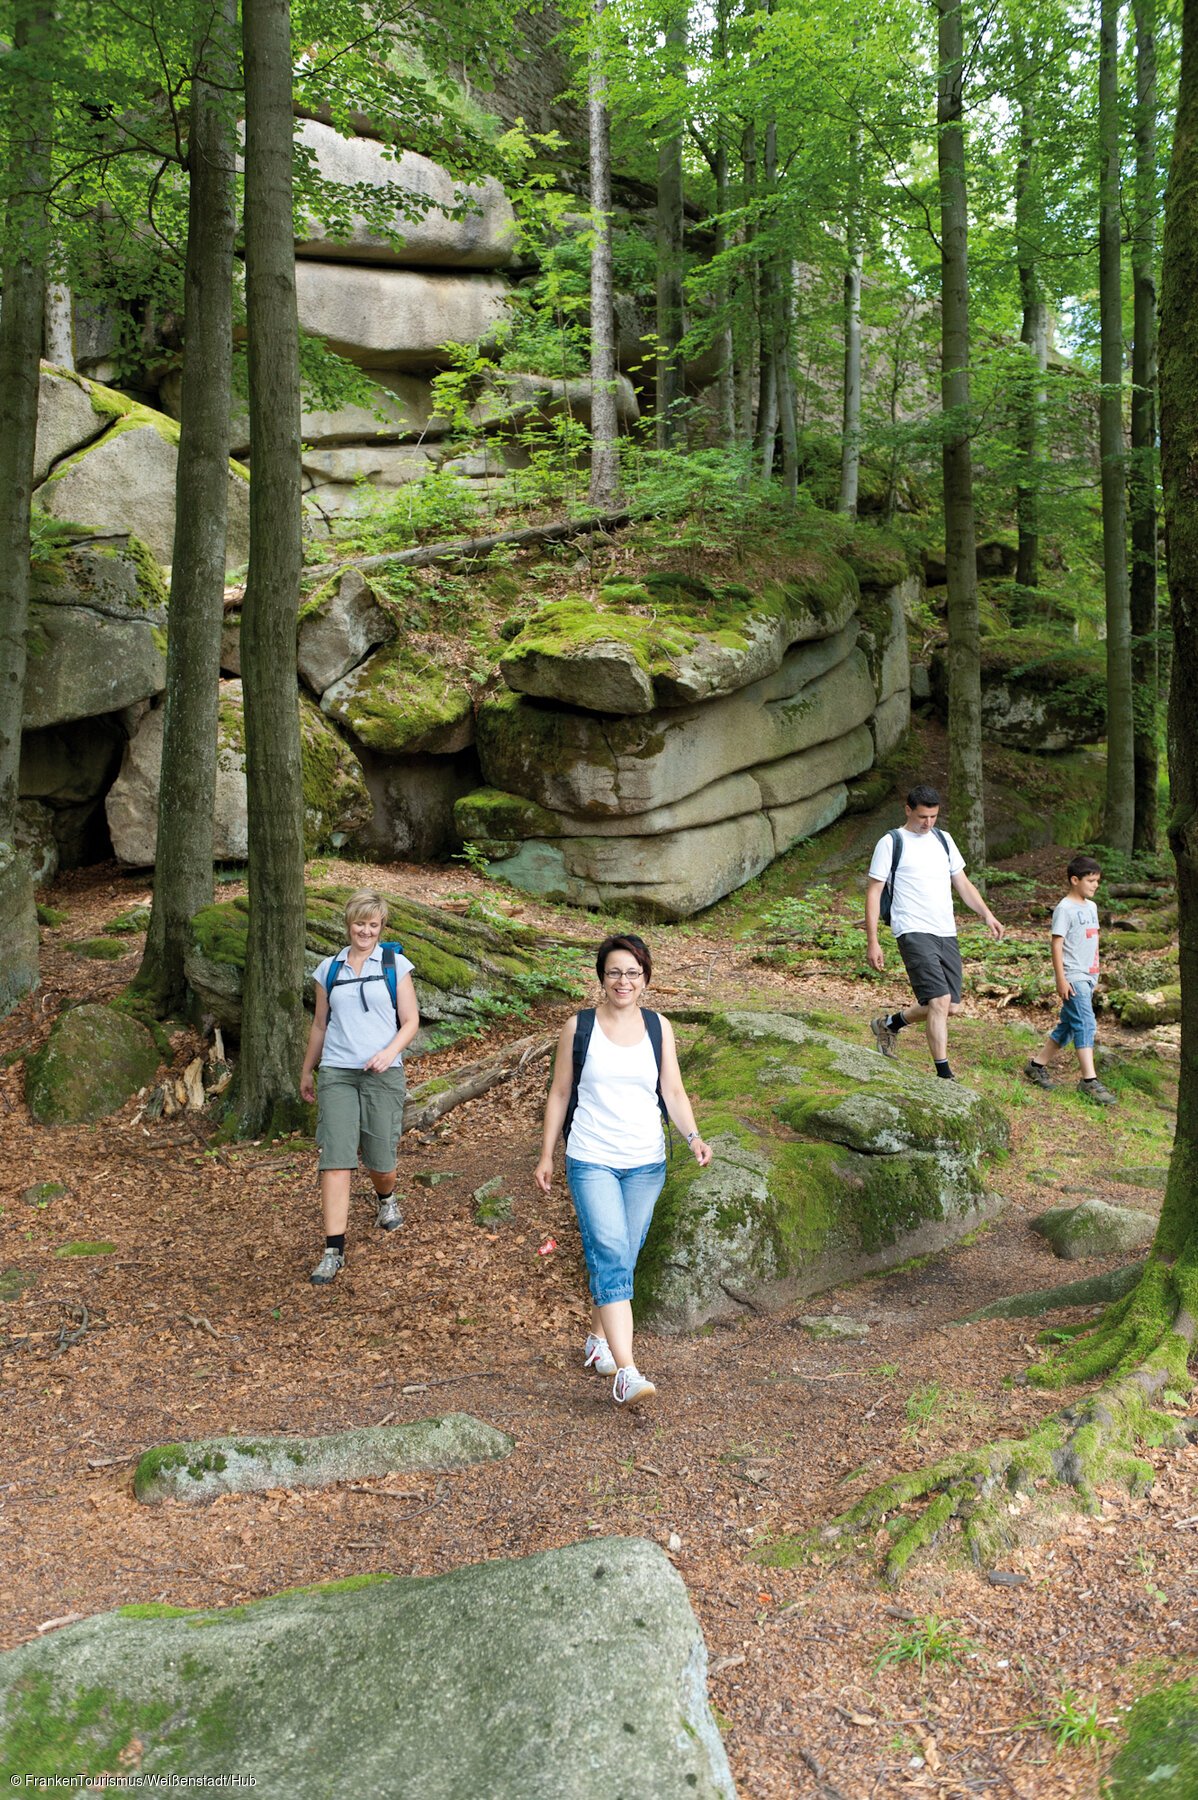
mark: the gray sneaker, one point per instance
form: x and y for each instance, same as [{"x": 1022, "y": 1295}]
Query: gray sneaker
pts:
[
  {"x": 388, "y": 1217},
  {"x": 1096, "y": 1093},
  {"x": 330, "y": 1264},
  {"x": 887, "y": 1040},
  {"x": 1037, "y": 1074}
]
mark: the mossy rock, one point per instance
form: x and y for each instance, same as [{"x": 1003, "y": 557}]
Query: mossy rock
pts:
[
  {"x": 830, "y": 1162},
  {"x": 468, "y": 972},
  {"x": 1159, "y": 1756},
  {"x": 403, "y": 700},
  {"x": 1038, "y": 693},
  {"x": 127, "y": 924},
  {"x": 1162, "y": 1006},
  {"x": 93, "y": 1061},
  {"x": 200, "y": 1471},
  {"x": 1095, "y": 1229},
  {"x": 101, "y": 949}
]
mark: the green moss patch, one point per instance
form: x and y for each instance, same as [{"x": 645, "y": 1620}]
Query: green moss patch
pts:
[
  {"x": 100, "y": 949},
  {"x": 86, "y": 1247},
  {"x": 402, "y": 699},
  {"x": 1160, "y": 1755},
  {"x": 13, "y": 1283},
  {"x": 93, "y": 1060}
]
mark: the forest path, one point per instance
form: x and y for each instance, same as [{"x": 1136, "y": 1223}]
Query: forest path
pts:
[{"x": 201, "y": 1320}]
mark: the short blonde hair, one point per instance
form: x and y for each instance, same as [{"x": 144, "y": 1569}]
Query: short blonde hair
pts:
[{"x": 364, "y": 905}]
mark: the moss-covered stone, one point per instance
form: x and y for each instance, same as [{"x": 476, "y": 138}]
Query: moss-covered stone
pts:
[
  {"x": 829, "y": 1161},
  {"x": 127, "y": 924},
  {"x": 1095, "y": 1229},
  {"x": 1159, "y": 1756},
  {"x": 100, "y": 949},
  {"x": 494, "y": 816},
  {"x": 91, "y": 1063},
  {"x": 403, "y": 699}
]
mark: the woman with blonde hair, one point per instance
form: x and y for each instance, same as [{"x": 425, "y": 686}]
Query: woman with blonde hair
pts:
[{"x": 366, "y": 1016}]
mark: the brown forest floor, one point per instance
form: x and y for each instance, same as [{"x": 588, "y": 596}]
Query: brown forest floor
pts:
[{"x": 202, "y": 1321}]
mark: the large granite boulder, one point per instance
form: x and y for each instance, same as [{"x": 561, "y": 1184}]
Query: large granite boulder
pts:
[
  {"x": 513, "y": 398},
  {"x": 567, "y": 1675},
  {"x": 67, "y": 764},
  {"x": 33, "y": 835},
  {"x": 1037, "y": 693},
  {"x": 467, "y": 971},
  {"x": 398, "y": 409},
  {"x": 94, "y": 1059},
  {"x": 442, "y": 222},
  {"x": 335, "y": 799},
  {"x": 67, "y": 418},
  {"x": 396, "y": 318},
  {"x": 338, "y": 627},
  {"x": 381, "y": 464},
  {"x": 125, "y": 482},
  {"x": 405, "y": 699},
  {"x": 96, "y": 640},
  {"x": 830, "y": 1162},
  {"x": 1095, "y": 1228},
  {"x": 414, "y": 799},
  {"x": 18, "y": 927}
]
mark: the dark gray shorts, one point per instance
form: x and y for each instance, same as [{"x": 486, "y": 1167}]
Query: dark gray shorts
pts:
[
  {"x": 933, "y": 965},
  {"x": 357, "y": 1112}
]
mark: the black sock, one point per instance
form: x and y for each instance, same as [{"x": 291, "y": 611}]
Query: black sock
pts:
[
  {"x": 336, "y": 1241},
  {"x": 943, "y": 1070},
  {"x": 381, "y": 1197},
  {"x": 1089, "y": 1081},
  {"x": 895, "y": 1022}
]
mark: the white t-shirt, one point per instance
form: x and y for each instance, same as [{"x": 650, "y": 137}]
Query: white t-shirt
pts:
[
  {"x": 362, "y": 1019},
  {"x": 923, "y": 894},
  {"x": 617, "y": 1122}
]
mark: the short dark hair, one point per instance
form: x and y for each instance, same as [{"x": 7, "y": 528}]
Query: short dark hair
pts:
[
  {"x": 1083, "y": 865},
  {"x": 923, "y": 794},
  {"x": 636, "y": 948}
]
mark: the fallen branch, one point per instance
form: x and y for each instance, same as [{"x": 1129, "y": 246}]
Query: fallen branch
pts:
[
  {"x": 464, "y": 549},
  {"x": 424, "y": 1108}
]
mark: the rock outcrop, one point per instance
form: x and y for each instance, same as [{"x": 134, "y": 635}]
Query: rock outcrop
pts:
[
  {"x": 92, "y": 1061},
  {"x": 830, "y": 1162}
]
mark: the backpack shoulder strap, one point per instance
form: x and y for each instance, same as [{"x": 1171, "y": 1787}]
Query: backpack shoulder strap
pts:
[
  {"x": 390, "y": 972},
  {"x": 896, "y": 850},
  {"x": 335, "y": 968},
  {"x": 943, "y": 842},
  {"x": 584, "y": 1024},
  {"x": 653, "y": 1027}
]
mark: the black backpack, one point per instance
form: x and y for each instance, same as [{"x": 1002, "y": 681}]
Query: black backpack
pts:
[
  {"x": 896, "y": 856},
  {"x": 583, "y": 1026}
]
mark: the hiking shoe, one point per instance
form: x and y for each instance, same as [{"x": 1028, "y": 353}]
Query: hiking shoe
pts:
[
  {"x": 1037, "y": 1074},
  {"x": 388, "y": 1217},
  {"x": 1096, "y": 1093},
  {"x": 598, "y": 1356},
  {"x": 630, "y": 1387},
  {"x": 887, "y": 1040},
  {"x": 330, "y": 1264}
]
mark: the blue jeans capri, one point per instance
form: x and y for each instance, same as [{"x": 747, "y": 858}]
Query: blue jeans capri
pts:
[
  {"x": 1077, "y": 1016},
  {"x": 614, "y": 1207}
]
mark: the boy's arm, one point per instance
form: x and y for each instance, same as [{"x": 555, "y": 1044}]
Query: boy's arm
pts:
[
  {"x": 1064, "y": 985},
  {"x": 874, "y": 954},
  {"x": 975, "y": 903}
]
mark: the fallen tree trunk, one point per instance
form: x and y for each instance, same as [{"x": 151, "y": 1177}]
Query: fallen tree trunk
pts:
[
  {"x": 1090, "y": 1291},
  {"x": 466, "y": 549},
  {"x": 432, "y": 1099}
]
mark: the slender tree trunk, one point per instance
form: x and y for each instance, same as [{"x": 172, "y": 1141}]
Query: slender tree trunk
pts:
[
  {"x": 670, "y": 193},
  {"x": 1031, "y": 398},
  {"x": 186, "y": 793},
  {"x": 1142, "y": 484},
  {"x": 725, "y": 342},
  {"x": 781, "y": 318},
  {"x": 749, "y": 366},
  {"x": 1119, "y": 825},
  {"x": 272, "y": 1018},
  {"x": 605, "y": 459},
  {"x": 59, "y": 345},
  {"x": 1177, "y": 1233},
  {"x": 964, "y": 641},
  {"x": 854, "y": 262}
]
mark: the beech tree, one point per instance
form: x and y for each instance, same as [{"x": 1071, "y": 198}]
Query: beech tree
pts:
[
  {"x": 1142, "y": 477},
  {"x": 605, "y": 465}
]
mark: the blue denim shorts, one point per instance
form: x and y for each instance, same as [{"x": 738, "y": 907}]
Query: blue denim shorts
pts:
[
  {"x": 614, "y": 1207},
  {"x": 1077, "y": 1016}
]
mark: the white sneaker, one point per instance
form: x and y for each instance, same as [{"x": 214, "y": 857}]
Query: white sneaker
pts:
[
  {"x": 389, "y": 1217},
  {"x": 630, "y": 1387},
  {"x": 330, "y": 1264},
  {"x": 598, "y": 1356}
]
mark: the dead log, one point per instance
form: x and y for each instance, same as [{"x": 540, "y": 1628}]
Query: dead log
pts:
[
  {"x": 464, "y": 549},
  {"x": 432, "y": 1100}
]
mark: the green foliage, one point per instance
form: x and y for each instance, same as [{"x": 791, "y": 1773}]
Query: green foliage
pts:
[
  {"x": 815, "y": 921},
  {"x": 1072, "y": 1723},
  {"x": 437, "y": 506},
  {"x": 929, "y": 1640},
  {"x": 923, "y": 1408}
]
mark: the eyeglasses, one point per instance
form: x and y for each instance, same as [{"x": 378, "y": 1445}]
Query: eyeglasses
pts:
[{"x": 615, "y": 976}]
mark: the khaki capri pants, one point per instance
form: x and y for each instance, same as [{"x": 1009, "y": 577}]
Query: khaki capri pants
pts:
[{"x": 358, "y": 1112}]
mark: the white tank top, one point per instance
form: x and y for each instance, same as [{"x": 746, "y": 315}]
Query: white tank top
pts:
[{"x": 617, "y": 1122}]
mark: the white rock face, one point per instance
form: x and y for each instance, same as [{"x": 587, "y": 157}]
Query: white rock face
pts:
[
  {"x": 336, "y": 634},
  {"x": 125, "y": 482},
  {"x": 421, "y": 196},
  {"x": 66, "y": 420},
  {"x": 382, "y": 465},
  {"x": 396, "y": 318}
]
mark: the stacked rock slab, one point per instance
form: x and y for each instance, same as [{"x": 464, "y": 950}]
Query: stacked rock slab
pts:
[{"x": 660, "y": 748}]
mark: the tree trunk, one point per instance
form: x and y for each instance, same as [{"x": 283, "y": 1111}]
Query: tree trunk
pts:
[
  {"x": 725, "y": 342},
  {"x": 850, "y": 436},
  {"x": 1031, "y": 398},
  {"x": 1119, "y": 824},
  {"x": 668, "y": 389},
  {"x": 605, "y": 460},
  {"x": 964, "y": 643},
  {"x": 1142, "y": 484},
  {"x": 59, "y": 346},
  {"x": 781, "y": 322},
  {"x": 1177, "y": 1233},
  {"x": 265, "y": 1095},
  {"x": 183, "y": 857}
]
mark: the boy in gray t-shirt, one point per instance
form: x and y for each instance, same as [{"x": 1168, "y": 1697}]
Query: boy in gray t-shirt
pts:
[{"x": 1075, "y": 964}]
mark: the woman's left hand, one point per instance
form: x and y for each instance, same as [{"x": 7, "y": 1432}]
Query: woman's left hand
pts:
[
  {"x": 702, "y": 1152},
  {"x": 379, "y": 1062}
]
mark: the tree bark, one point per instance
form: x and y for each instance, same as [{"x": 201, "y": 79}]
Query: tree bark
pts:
[
  {"x": 605, "y": 460},
  {"x": 670, "y": 194},
  {"x": 964, "y": 641},
  {"x": 1142, "y": 483},
  {"x": 1031, "y": 399},
  {"x": 59, "y": 345},
  {"x": 1177, "y": 1232},
  {"x": 183, "y": 856},
  {"x": 265, "y": 1094},
  {"x": 1119, "y": 823},
  {"x": 854, "y": 255}
]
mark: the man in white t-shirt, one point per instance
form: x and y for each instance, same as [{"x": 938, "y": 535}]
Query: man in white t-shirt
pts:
[{"x": 929, "y": 868}]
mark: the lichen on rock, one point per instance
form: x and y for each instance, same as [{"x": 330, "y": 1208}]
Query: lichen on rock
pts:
[{"x": 93, "y": 1061}]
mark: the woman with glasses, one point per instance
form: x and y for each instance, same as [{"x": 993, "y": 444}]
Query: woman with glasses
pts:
[{"x": 615, "y": 1078}]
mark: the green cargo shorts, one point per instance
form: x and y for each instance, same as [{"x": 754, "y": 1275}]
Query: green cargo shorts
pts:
[{"x": 358, "y": 1112}]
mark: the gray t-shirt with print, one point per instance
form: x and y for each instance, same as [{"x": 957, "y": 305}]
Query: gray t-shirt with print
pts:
[{"x": 1077, "y": 922}]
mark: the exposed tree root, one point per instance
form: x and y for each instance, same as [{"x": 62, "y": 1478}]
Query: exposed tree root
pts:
[
  {"x": 1095, "y": 1288},
  {"x": 1141, "y": 1345}
]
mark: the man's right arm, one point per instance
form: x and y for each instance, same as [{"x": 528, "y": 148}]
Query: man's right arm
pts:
[{"x": 873, "y": 901}]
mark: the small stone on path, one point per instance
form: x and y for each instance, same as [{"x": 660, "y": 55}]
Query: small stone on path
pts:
[{"x": 832, "y": 1325}]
